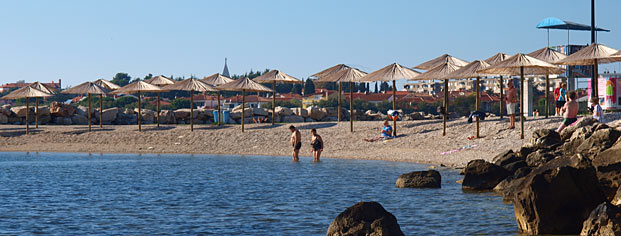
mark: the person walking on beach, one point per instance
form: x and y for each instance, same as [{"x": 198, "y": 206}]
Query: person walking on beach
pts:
[
  {"x": 569, "y": 111},
  {"x": 511, "y": 100},
  {"x": 316, "y": 144},
  {"x": 296, "y": 142},
  {"x": 561, "y": 98}
]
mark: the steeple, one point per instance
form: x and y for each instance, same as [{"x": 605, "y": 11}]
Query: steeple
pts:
[{"x": 225, "y": 72}]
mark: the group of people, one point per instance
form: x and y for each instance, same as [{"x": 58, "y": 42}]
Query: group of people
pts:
[{"x": 296, "y": 142}]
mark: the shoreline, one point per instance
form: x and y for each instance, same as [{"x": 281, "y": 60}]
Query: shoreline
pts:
[{"x": 419, "y": 142}]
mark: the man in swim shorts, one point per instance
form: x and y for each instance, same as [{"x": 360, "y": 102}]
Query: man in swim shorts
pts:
[
  {"x": 296, "y": 142},
  {"x": 569, "y": 111},
  {"x": 511, "y": 101}
]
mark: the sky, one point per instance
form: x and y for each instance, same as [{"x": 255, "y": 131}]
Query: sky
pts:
[{"x": 83, "y": 40}]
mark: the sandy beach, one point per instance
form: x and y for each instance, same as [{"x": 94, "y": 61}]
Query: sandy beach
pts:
[{"x": 418, "y": 141}]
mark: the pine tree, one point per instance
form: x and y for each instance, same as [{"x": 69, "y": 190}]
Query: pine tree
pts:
[
  {"x": 376, "y": 91},
  {"x": 309, "y": 87}
]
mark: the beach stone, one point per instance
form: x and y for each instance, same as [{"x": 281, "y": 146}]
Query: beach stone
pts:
[
  {"x": 108, "y": 115},
  {"x": 608, "y": 166},
  {"x": 283, "y": 111},
  {"x": 259, "y": 112},
  {"x": 567, "y": 132},
  {"x": 292, "y": 119},
  {"x": 21, "y": 111},
  {"x": 298, "y": 111},
  {"x": 545, "y": 138},
  {"x": 482, "y": 175},
  {"x": 605, "y": 219},
  {"x": 420, "y": 179},
  {"x": 4, "y": 119},
  {"x": 365, "y": 218},
  {"x": 167, "y": 117},
  {"x": 315, "y": 113},
  {"x": 556, "y": 197},
  {"x": 78, "y": 119}
]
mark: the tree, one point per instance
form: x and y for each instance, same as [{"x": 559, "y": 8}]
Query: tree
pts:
[
  {"x": 121, "y": 79},
  {"x": 309, "y": 87},
  {"x": 384, "y": 86},
  {"x": 122, "y": 102},
  {"x": 180, "y": 103},
  {"x": 376, "y": 91},
  {"x": 297, "y": 89}
]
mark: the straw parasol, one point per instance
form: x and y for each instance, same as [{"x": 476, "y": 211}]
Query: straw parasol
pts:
[
  {"x": 594, "y": 54},
  {"x": 161, "y": 81},
  {"x": 191, "y": 85},
  {"x": 392, "y": 72},
  {"x": 438, "y": 61},
  {"x": 341, "y": 73},
  {"x": 216, "y": 80},
  {"x": 440, "y": 72},
  {"x": 276, "y": 76},
  {"x": 471, "y": 71},
  {"x": 87, "y": 88},
  {"x": 521, "y": 64},
  {"x": 244, "y": 85},
  {"x": 27, "y": 92},
  {"x": 38, "y": 85},
  {"x": 550, "y": 56},
  {"x": 493, "y": 60},
  {"x": 138, "y": 87},
  {"x": 110, "y": 87}
]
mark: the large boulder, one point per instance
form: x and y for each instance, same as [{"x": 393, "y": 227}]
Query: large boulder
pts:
[
  {"x": 167, "y": 117},
  {"x": 298, "y": 111},
  {"x": 608, "y": 166},
  {"x": 556, "y": 197},
  {"x": 43, "y": 111},
  {"x": 21, "y": 111},
  {"x": 237, "y": 114},
  {"x": 316, "y": 113},
  {"x": 539, "y": 157},
  {"x": 61, "y": 110},
  {"x": 600, "y": 140},
  {"x": 259, "y": 112},
  {"x": 82, "y": 110},
  {"x": 182, "y": 114},
  {"x": 505, "y": 158},
  {"x": 148, "y": 116},
  {"x": 605, "y": 219},
  {"x": 617, "y": 199},
  {"x": 4, "y": 119},
  {"x": 78, "y": 119},
  {"x": 66, "y": 120},
  {"x": 420, "y": 179},
  {"x": 567, "y": 132},
  {"x": 482, "y": 175},
  {"x": 292, "y": 119},
  {"x": 365, "y": 218},
  {"x": 545, "y": 138},
  {"x": 283, "y": 111},
  {"x": 108, "y": 115}
]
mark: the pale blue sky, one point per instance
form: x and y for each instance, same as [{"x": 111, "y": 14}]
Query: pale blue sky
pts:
[{"x": 86, "y": 40}]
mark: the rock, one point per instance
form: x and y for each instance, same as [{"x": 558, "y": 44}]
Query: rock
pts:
[
  {"x": 125, "y": 119},
  {"x": 418, "y": 116},
  {"x": 61, "y": 110},
  {"x": 420, "y": 179},
  {"x": 567, "y": 132},
  {"x": 167, "y": 117},
  {"x": 129, "y": 111},
  {"x": 556, "y": 197},
  {"x": 308, "y": 119},
  {"x": 538, "y": 158},
  {"x": 44, "y": 111},
  {"x": 283, "y": 111},
  {"x": 238, "y": 114},
  {"x": 600, "y": 140},
  {"x": 67, "y": 121},
  {"x": 259, "y": 112},
  {"x": 82, "y": 110},
  {"x": 202, "y": 114},
  {"x": 545, "y": 138},
  {"x": 45, "y": 119},
  {"x": 78, "y": 119},
  {"x": 300, "y": 112},
  {"x": 331, "y": 111},
  {"x": 608, "y": 166},
  {"x": 292, "y": 119},
  {"x": 329, "y": 118},
  {"x": 316, "y": 113},
  {"x": 514, "y": 166},
  {"x": 183, "y": 114},
  {"x": 605, "y": 219},
  {"x": 373, "y": 115},
  {"x": 148, "y": 116},
  {"x": 4, "y": 119},
  {"x": 21, "y": 111},
  {"x": 617, "y": 199},
  {"x": 365, "y": 218},
  {"x": 505, "y": 158},
  {"x": 108, "y": 115},
  {"x": 482, "y": 175},
  {"x": 525, "y": 150}
]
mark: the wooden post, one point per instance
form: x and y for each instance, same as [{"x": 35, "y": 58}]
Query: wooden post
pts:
[
  {"x": 27, "y": 111},
  {"x": 89, "y": 112},
  {"x": 158, "y": 109},
  {"x": 191, "y": 110},
  {"x": 101, "y": 110},
  {"x": 501, "y": 96},
  {"x": 220, "y": 112},
  {"x": 595, "y": 76},
  {"x": 339, "y": 97},
  {"x": 274, "y": 102},
  {"x": 243, "y": 108},
  {"x": 446, "y": 105},
  {"x": 394, "y": 107},
  {"x": 478, "y": 101},
  {"x": 139, "y": 116},
  {"x": 351, "y": 107},
  {"x": 547, "y": 96},
  {"x": 37, "y": 114},
  {"x": 522, "y": 102}
]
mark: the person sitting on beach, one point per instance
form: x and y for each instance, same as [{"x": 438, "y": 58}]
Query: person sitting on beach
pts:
[
  {"x": 316, "y": 144},
  {"x": 569, "y": 111},
  {"x": 386, "y": 133},
  {"x": 296, "y": 142},
  {"x": 598, "y": 112}
]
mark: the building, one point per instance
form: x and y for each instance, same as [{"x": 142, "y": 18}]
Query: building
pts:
[
  {"x": 21, "y": 83},
  {"x": 320, "y": 94}
]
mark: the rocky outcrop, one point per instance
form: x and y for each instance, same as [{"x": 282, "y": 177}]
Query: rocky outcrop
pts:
[
  {"x": 283, "y": 111},
  {"x": 365, "y": 218},
  {"x": 316, "y": 113},
  {"x": 21, "y": 111},
  {"x": 482, "y": 175},
  {"x": 617, "y": 198},
  {"x": 298, "y": 111},
  {"x": 62, "y": 110},
  {"x": 420, "y": 179},
  {"x": 608, "y": 166},
  {"x": 605, "y": 219},
  {"x": 78, "y": 119},
  {"x": 109, "y": 115}
]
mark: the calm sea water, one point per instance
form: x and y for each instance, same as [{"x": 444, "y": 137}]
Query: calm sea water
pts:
[{"x": 129, "y": 194}]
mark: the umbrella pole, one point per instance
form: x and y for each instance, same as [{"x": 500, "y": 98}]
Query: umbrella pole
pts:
[
  {"x": 158, "y": 109},
  {"x": 191, "y": 110},
  {"x": 220, "y": 112},
  {"x": 478, "y": 101},
  {"x": 351, "y": 106},
  {"x": 547, "y": 96},
  {"x": 594, "y": 80},
  {"x": 446, "y": 101},
  {"x": 339, "y": 97},
  {"x": 89, "y": 112},
  {"x": 101, "y": 111},
  {"x": 274, "y": 102},
  {"x": 37, "y": 114},
  {"x": 394, "y": 107},
  {"x": 501, "y": 96},
  {"x": 139, "y": 116},
  {"x": 243, "y": 108},
  {"x": 27, "y": 111},
  {"x": 522, "y": 102}
]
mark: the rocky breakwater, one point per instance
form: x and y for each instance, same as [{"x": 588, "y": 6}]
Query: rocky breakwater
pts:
[
  {"x": 559, "y": 183},
  {"x": 365, "y": 218}
]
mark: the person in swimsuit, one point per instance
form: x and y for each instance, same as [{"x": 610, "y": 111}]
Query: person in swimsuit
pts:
[
  {"x": 316, "y": 144},
  {"x": 296, "y": 142},
  {"x": 569, "y": 111},
  {"x": 511, "y": 101},
  {"x": 562, "y": 98}
]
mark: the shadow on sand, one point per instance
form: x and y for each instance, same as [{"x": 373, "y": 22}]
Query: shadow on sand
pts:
[
  {"x": 317, "y": 125},
  {"x": 266, "y": 126}
]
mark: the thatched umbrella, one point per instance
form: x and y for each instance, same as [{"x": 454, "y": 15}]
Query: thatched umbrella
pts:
[
  {"x": 440, "y": 72},
  {"x": 44, "y": 88},
  {"x": 493, "y": 60},
  {"x": 273, "y": 77},
  {"x": 550, "y": 56},
  {"x": 471, "y": 71},
  {"x": 344, "y": 74},
  {"x": 138, "y": 87},
  {"x": 161, "y": 81},
  {"x": 392, "y": 72},
  {"x": 87, "y": 88},
  {"x": 521, "y": 64},
  {"x": 191, "y": 85},
  {"x": 328, "y": 71},
  {"x": 27, "y": 92},
  {"x": 438, "y": 61},
  {"x": 594, "y": 54},
  {"x": 216, "y": 80},
  {"x": 243, "y": 85},
  {"x": 110, "y": 87}
]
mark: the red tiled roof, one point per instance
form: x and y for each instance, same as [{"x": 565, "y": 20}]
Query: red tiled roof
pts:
[{"x": 249, "y": 98}]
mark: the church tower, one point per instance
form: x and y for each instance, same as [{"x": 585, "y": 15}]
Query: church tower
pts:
[{"x": 225, "y": 72}]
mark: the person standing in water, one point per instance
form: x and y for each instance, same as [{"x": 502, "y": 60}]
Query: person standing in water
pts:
[
  {"x": 296, "y": 142},
  {"x": 511, "y": 100},
  {"x": 316, "y": 144}
]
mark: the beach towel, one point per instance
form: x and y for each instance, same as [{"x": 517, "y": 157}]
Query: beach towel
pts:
[{"x": 459, "y": 149}]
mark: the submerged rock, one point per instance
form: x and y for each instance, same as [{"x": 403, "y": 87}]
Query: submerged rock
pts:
[
  {"x": 605, "y": 219},
  {"x": 482, "y": 175},
  {"x": 420, "y": 179},
  {"x": 365, "y": 218}
]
